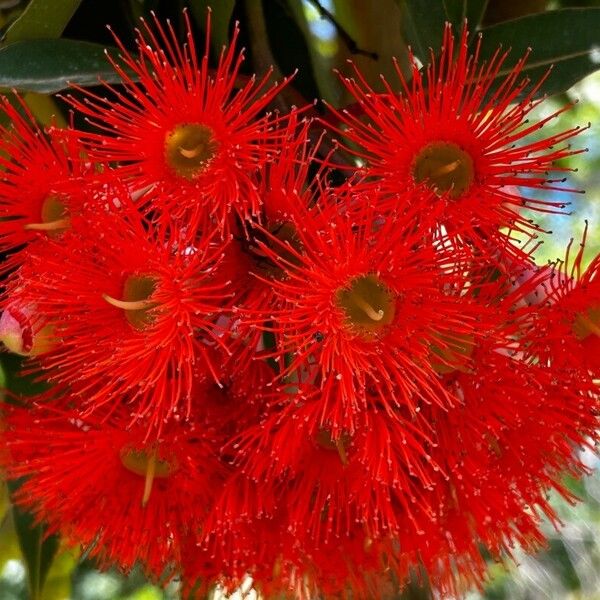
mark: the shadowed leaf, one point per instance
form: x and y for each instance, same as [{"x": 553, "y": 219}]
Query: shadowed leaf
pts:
[
  {"x": 220, "y": 19},
  {"x": 42, "y": 20},
  {"x": 423, "y": 21},
  {"x": 48, "y": 66},
  {"x": 566, "y": 40},
  {"x": 37, "y": 548}
]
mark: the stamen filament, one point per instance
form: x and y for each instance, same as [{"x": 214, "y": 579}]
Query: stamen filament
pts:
[
  {"x": 375, "y": 315},
  {"x": 128, "y": 304},
  {"x": 149, "y": 480},
  {"x": 50, "y": 226}
]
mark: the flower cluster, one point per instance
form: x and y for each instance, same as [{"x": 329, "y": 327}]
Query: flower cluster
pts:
[{"x": 255, "y": 372}]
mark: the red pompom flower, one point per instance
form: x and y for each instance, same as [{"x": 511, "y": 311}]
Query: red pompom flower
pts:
[
  {"x": 256, "y": 373},
  {"x": 102, "y": 485},
  {"x": 35, "y": 169},
  {"x": 565, "y": 331},
  {"x": 184, "y": 132},
  {"x": 366, "y": 309},
  {"x": 133, "y": 313},
  {"x": 454, "y": 134}
]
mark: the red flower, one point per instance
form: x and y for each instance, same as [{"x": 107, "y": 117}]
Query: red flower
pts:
[
  {"x": 183, "y": 132},
  {"x": 35, "y": 168},
  {"x": 134, "y": 313},
  {"x": 258, "y": 373},
  {"x": 368, "y": 310},
  {"x": 376, "y": 476},
  {"x": 106, "y": 487},
  {"x": 243, "y": 530},
  {"x": 456, "y": 136},
  {"x": 511, "y": 439},
  {"x": 565, "y": 331}
]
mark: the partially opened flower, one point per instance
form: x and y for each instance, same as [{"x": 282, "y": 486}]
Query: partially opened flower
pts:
[
  {"x": 457, "y": 132},
  {"x": 105, "y": 486},
  {"x": 192, "y": 136},
  {"x": 134, "y": 313}
]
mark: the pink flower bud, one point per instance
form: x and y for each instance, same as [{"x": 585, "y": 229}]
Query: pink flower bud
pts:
[{"x": 24, "y": 332}]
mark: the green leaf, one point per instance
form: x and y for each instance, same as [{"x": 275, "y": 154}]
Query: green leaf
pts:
[
  {"x": 141, "y": 8},
  {"x": 44, "y": 109},
  {"x": 58, "y": 581},
  {"x": 220, "y": 19},
  {"x": 42, "y": 20},
  {"x": 48, "y": 66},
  {"x": 567, "y": 39},
  {"x": 473, "y": 11},
  {"x": 289, "y": 47},
  {"x": 423, "y": 25},
  {"x": 15, "y": 381},
  {"x": 374, "y": 27},
  {"x": 565, "y": 3},
  {"x": 423, "y": 21},
  {"x": 9, "y": 542},
  {"x": 37, "y": 548}
]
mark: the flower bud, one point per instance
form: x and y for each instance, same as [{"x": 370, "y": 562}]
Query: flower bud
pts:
[{"x": 23, "y": 331}]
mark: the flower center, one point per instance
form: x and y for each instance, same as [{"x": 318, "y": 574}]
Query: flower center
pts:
[
  {"x": 368, "y": 305},
  {"x": 189, "y": 148},
  {"x": 136, "y": 300},
  {"x": 587, "y": 323},
  {"x": 148, "y": 465},
  {"x": 324, "y": 440},
  {"x": 54, "y": 217},
  {"x": 444, "y": 167}
]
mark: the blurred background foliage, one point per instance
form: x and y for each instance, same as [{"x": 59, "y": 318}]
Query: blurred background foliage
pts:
[{"x": 47, "y": 43}]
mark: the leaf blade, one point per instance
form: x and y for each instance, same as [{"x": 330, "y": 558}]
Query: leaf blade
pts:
[
  {"x": 423, "y": 21},
  {"x": 423, "y": 25},
  {"x": 221, "y": 13},
  {"x": 42, "y": 20},
  {"x": 48, "y": 66},
  {"x": 573, "y": 53},
  {"x": 37, "y": 548}
]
